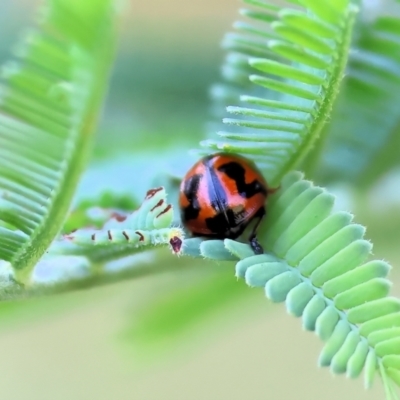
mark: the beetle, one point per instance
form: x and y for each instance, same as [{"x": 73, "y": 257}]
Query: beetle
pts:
[{"x": 221, "y": 195}]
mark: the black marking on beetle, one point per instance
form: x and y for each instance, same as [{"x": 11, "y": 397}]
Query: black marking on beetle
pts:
[
  {"x": 190, "y": 190},
  {"x": 109, "y": 235},
  {"x": 237, "y": 173},
  {"x": 125, "y": 235},
  {"x": 240, "y": 214},
  {"x": 224, "y": 225},
  {"x": 141, "y": 237},
  {"x": 166, "y": 209},
  {"x": 158, "y": 204}
]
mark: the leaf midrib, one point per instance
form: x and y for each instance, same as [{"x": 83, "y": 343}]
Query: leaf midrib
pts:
[
  {"x": 325, "y": 109},
  {"x": 30, "y": 253}
]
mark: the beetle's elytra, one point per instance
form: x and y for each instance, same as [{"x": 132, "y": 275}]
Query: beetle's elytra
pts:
[{"x": 220, "y": 195}]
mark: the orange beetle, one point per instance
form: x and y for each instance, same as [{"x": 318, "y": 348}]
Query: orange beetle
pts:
[{"x": 220, "y": 195}]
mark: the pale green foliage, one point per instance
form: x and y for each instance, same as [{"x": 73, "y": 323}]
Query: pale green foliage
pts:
[
  {"x": 50, "y": 99},
  {"x": 364, "y": 135},
  {"x": 86, "y": 256},
  {"x": 318, "y": 262},
  {"x": 123, "y": 235},
  {"x": 295, "y": 76},
  {"x": 282, "y": 76}
]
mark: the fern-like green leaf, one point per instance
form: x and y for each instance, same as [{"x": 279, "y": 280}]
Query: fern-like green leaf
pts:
[
  {"x": 89, "y": 257},
  {"x": 296, "y": 58},
  {"x": 50, "y": 99},
  {"x": 318, "y": 262},
  {"x": 364, "y": 135},
  {"x": 124, "y": 235}
]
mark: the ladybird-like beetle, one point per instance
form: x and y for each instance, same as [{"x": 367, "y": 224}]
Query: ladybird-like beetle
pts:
[{"x": 220, "y": 195}]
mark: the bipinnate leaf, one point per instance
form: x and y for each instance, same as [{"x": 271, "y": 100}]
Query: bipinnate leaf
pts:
[
  {"x": 295, "y": 60},
  {"x": 50, "y": 100},
  {"x": 364, "y": 132},
  {"x": 92, "y": 256},
  {"x": 318, "y": 262},
  {"x": 125, "y": 234}
]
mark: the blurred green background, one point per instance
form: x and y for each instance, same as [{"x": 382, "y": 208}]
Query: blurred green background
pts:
[{"x": 69, "y": 346}]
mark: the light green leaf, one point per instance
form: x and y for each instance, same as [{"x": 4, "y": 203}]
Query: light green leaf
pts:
[
  {"x": 50, "y": 100},
  {"x": 302, "y": 64},
  {"x": 324, "y": 275},
  {"x": 124, "y": 235},
  {"x": 364, "y": 133}
]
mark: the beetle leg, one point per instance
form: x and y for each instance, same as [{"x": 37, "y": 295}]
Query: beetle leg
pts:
[{"x": 257, "y": 248}]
